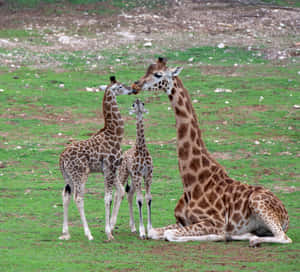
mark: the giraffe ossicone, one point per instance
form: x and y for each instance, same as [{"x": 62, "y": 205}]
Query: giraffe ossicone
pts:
[
  {"x": 213, "y": 206},
  {"x": 100, "y": 153},
  {"x": 137, "y": 163}
]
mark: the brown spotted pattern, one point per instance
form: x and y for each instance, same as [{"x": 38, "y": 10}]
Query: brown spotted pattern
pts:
[
  {"x": 213, "y": 205},
  {"x": 137, "y": 163},
  {"x": 100, "y": 153}
]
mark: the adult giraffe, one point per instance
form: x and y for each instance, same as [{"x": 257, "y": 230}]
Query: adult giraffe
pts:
[{"x": 213, "y": 206}]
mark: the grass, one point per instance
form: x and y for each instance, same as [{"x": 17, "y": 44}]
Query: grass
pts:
[
  {"x": 31, "y": 211},
  {"x": 257, "y": 141}
]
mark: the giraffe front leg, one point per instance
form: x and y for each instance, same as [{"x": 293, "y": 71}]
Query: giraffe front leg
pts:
[
  {"x": 108, "y": 201},
  {"x": 158, "y": 233},
  {"x": 139, "y": 202},
  {"x": 119, "y": 195},
  {"x": 130, "y": 204},
  {"x": 78, "y": 197},
  {"x": 148, "y": 197},
  {"x": 197, "y": 232}
]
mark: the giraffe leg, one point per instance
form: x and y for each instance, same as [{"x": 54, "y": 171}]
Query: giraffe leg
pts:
[
  {"x": 148, "y": 198},
  {"x": 139, "y": 202},
  {"x": 130, "y": 202},
  {"x": 109, "y": 181},
  {"x": 119, "y": 195},
  {"x": 202, "y": 231},
  {"x": 78, "y": 197},
  {"x": 158, "y": 233},
  {"x": 66, "y": 196},
  {"x": 266, "y": 213}
]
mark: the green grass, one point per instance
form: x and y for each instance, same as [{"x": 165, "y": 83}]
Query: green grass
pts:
[{"x": 38, "y": 117}]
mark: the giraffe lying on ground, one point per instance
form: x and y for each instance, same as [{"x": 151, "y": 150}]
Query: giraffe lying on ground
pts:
[
  {"x": 100, "y": 153},
  {"x": 137, "y": 163},
  {"x": 213, "y": 206}
]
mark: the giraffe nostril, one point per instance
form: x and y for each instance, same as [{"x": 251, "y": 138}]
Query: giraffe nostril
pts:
[{"x": 137, "y": 82}]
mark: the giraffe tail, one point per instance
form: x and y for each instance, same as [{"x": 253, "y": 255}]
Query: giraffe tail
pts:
[
  {"x": 67, "y": 188},
  {"x": 127, "y": 188}
]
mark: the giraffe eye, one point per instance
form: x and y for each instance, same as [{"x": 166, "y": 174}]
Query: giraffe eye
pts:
[
  {"x": 143, "y": 104},
  {"x": 158, "y": 75}
]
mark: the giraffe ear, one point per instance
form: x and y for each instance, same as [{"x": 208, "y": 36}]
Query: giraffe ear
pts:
[
  {"x": 103, "y": 87},
  {"x": 113, "y": 79},
  {"x": 176, "y": 71}
]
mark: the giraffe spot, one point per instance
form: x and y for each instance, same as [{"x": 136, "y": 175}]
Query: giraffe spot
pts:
[
  {"x": 188, "y": 107},
  {"x": 195, "y": 164},
  {"x": 211, "y": 212},
  {"x": 210, "y": 184},
  {"x": 182, "y": 94},
  {"x": 183, "y": 151},
  {"x": 229, "y": 227},
  {"x": 216, "y": 177},
  {"x": 236, "y": 218},
  {"x": 212, "y": 197},
  {"x": 192, "y": 204},
  {"x": 203, "y": 203},
  {"x": 229, "y": 181},
  {"x": 188, "y": 179},
  {"x": 192, "y": 134},
  {"x": 194, "y": 219},
  {"x": 219, "y": 190},
  {"x": 196, "y": 151},
  {"x": 238, "y": 205},
  {"x": 182, "y": 130},
  {"x": 205, "y": 161},
  {"x": 219, "y": 205},
  {"x": 196, "y": 192},
  {"x": 170, "y": 97},
  {"x": 173, "y": 91},
  {"x": 180, "y": 113},
  {"x": 180, "y": 101},
  {"x": 119, "y": 131},
  {"x": 229, "y": 189},
  {"x": 214, "y": 168},
  {"x": 236, "y": 196},
  {"x": 204, "y": 175},
  {"x": 197, "y": 210}
]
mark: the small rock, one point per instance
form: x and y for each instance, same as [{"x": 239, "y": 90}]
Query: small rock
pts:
[
  {"x": 148, "y": 44},
  {"x": 296, "y": 107},
  {"x": 220, "y": 90},
  {"x": 1, "y": 90},
  {"x": 2, "y": 165},
  {"x": 221, "y": 45},
  {"x": 61, "y": 85},
  {"x": 191, "y": 59},
  {"x": 257, "y": 142},
  {"x": 261, "y": 98}
]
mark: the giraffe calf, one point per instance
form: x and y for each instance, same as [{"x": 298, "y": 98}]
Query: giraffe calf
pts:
[{"x": 137, "y": 163}]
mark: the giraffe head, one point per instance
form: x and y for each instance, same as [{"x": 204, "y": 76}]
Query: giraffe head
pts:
[
  {"x": 138, "y": 109},
  {"x": 158, "y": 77},
  {"x": 118, "y": 88}
]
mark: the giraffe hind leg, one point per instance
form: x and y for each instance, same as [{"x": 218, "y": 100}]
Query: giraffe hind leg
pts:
[
  {"x": 269, "y": 221},
  {"x": 66, "y": 196}
]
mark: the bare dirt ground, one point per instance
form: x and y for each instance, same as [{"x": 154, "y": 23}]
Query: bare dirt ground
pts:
[{"x": 183, "y": 24}]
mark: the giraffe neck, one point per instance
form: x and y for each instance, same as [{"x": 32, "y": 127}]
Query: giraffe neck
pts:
[
  {"x": 113, "y": 122},
  {"x": 193, "y": 157},
  {"x": 140, "y": 136}
]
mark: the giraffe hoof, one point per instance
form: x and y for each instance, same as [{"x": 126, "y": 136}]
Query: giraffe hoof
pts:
[
  {"x": 64, "y": 237},
  {"x": 90, "y": 237},
  {"x": 254, "y": 244},
  {"x": 109, "y": 238},
  {"x": 143, "y": 237}
]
